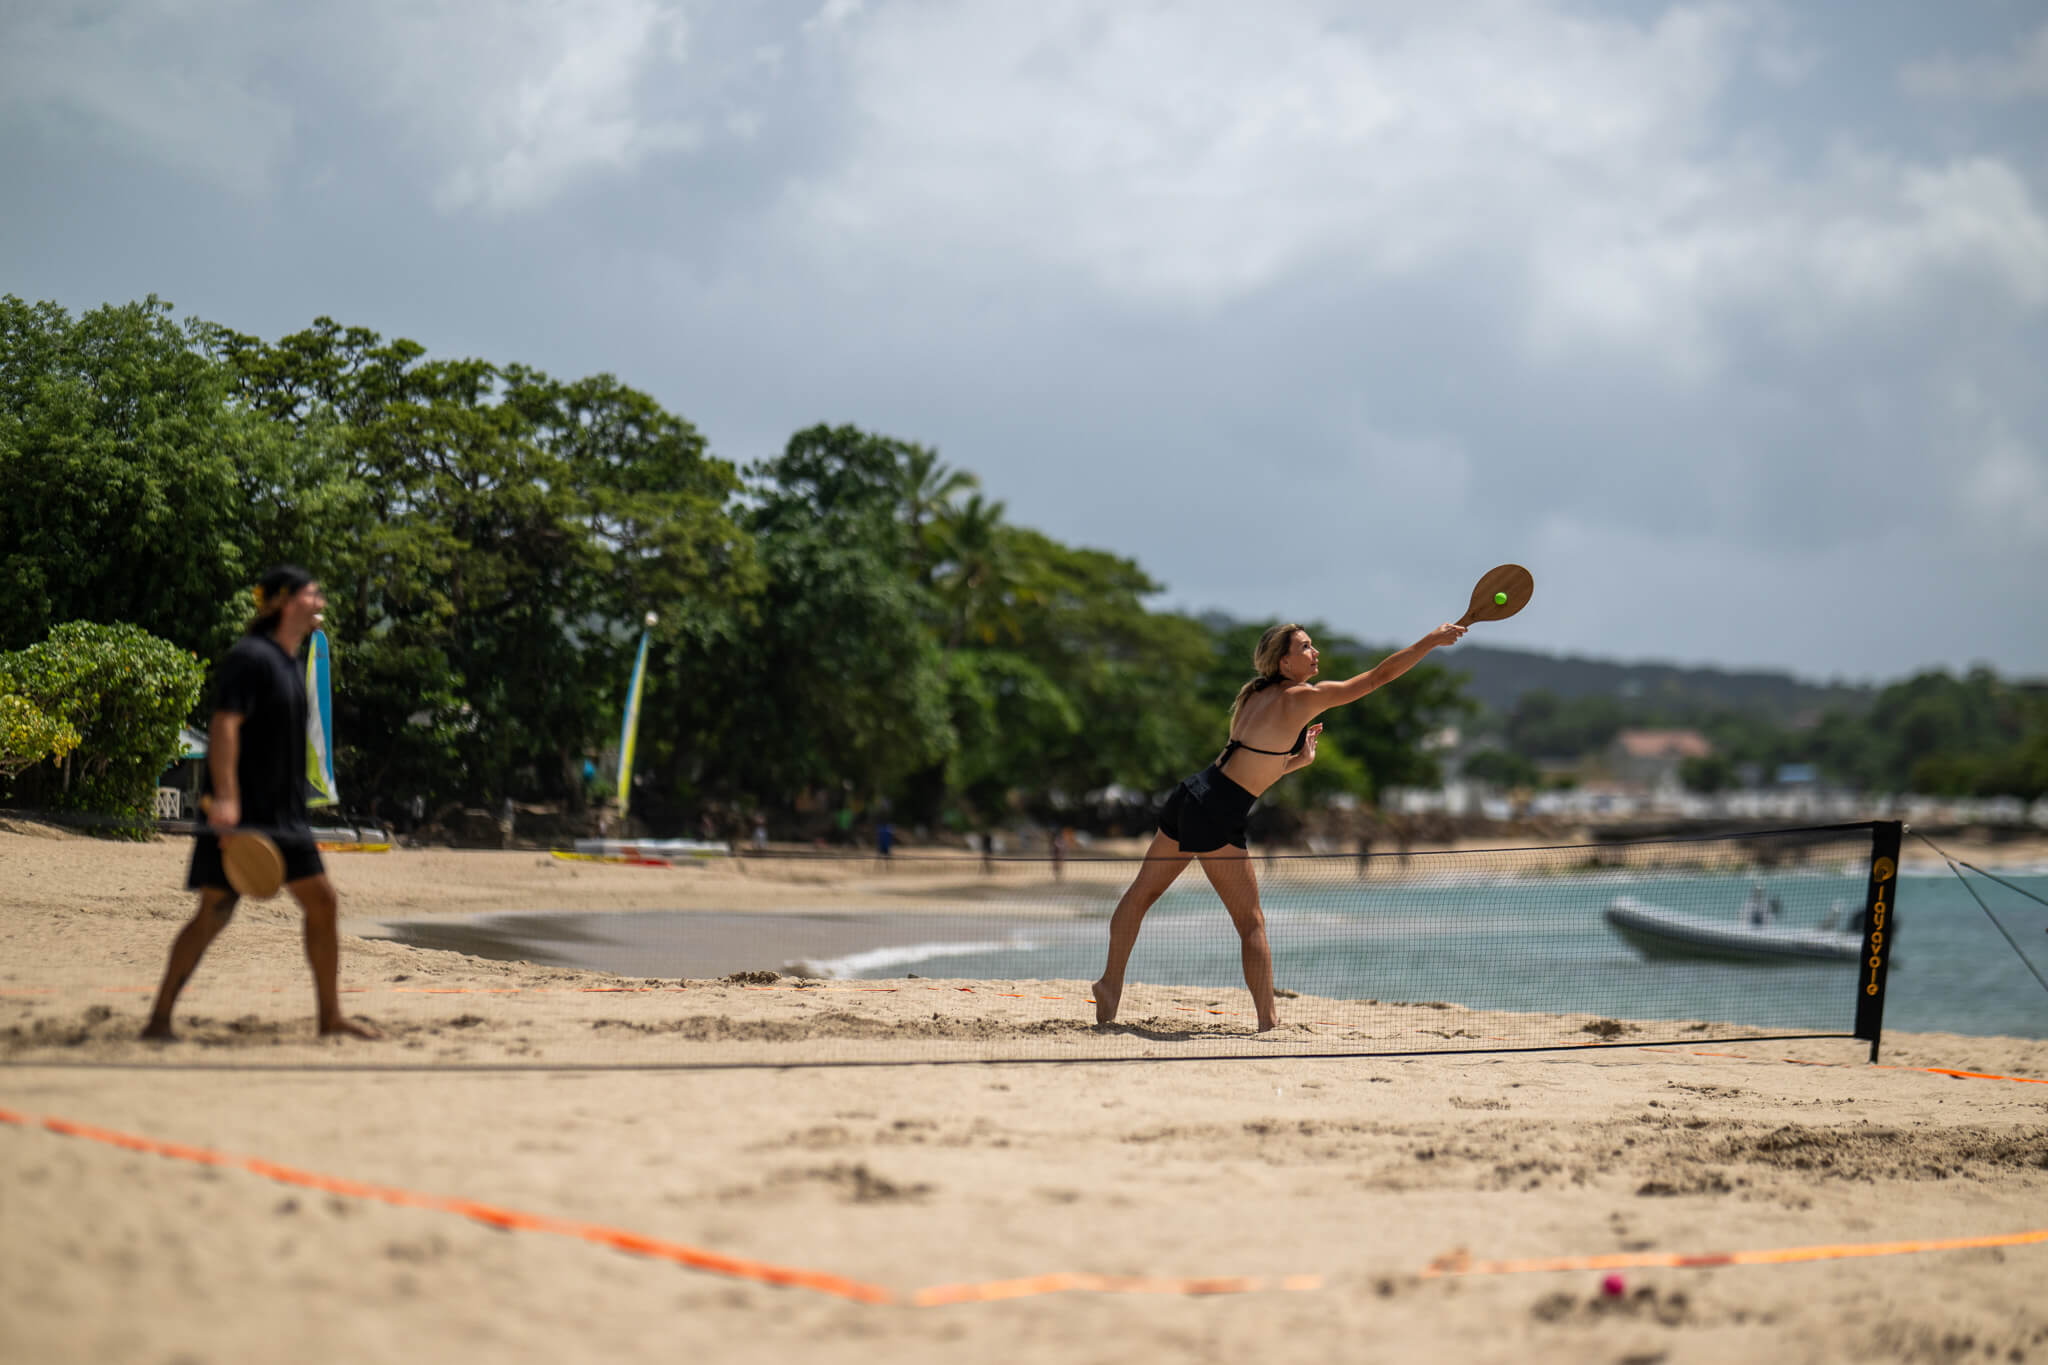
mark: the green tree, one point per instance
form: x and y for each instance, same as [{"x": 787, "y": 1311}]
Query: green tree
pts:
[
  {"x": 1130, "y": 675},
  {"x": 1543, "y": 725},
  {"x": 1501, "y": 768},
  {"x": 28, "y": 736},
  {"x": 1707, "y": 775},
  {"x": 1005, "y": 715},
  {"x": 119, "y": 497},
  {"x": 825, "y": 681},
  {"x": 928, "y": 491},
  {"x": 490, "y": 538},
  {"x": 124, "y": 693},
  {"x": 976, "y": 577},
  {"x": 1941, "y": 735},
  {"x": 840, "y": 475}
]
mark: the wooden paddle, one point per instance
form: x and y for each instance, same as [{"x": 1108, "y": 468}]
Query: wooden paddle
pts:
[
  {"x": 254, "y": 866},
  {"x": 1500, "y": 593}
]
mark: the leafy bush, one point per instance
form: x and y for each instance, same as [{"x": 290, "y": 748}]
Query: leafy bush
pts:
[
  {"x": 28, "y": 736},
  {"x": 1500, "y": 768},
  {"x": 1713, "y": 773},
  {"x": 123, "y": 693}
]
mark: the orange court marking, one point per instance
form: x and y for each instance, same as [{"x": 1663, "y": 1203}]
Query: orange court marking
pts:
[
  {"x": 1457, "y": 1263},
  {"x": 511, "y": 1219},
  {"x": 1063, "y": 1282},
  {"x": 1981, "y": 1075},
  {"x": 695, "y": 1258},
  {"x": 1858, "y": 1066},
  {"x": 858, "y": 1291}
]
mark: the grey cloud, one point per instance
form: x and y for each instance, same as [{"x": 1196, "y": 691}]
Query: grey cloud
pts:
[
  {"x": 1319, "y": 318},
  {"x": 2017, "y": 74}
]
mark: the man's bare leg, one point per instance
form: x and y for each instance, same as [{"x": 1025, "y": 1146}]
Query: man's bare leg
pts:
[
  {"x": 216, "y": 908},
  {"x": 1230, "y": 872},
  {"x": 316, "y": 897},
  {"x": 1163, "y": 862}
]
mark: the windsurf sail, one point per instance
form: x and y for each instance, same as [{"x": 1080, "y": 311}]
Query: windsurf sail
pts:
[
  {"x": 320, "y": 786},
  {"x": 631, "y": 728}
]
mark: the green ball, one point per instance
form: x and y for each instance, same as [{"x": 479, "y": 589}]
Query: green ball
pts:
[{"x": 1500, "y": 599}]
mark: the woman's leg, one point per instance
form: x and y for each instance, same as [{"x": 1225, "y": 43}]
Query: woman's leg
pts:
[
  {"x": 1163, "y": 862},
  {"x": 1230, "y": 872}
]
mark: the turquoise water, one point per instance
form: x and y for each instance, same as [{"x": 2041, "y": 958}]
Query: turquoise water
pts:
[{"x": 1541, "y": 944}]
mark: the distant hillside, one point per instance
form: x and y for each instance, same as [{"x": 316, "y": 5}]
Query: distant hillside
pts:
[{"x": 1500, "y": 676}]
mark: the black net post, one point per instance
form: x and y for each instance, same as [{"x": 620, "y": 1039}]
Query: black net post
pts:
[{"x": 1879, "y": 905}]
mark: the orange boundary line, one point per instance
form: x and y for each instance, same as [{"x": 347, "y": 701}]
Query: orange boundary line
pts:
[
  {"x": 1458, "y": 1264},
  {"x": 1860, "y": 1066},
  {"x": 695, "y": 1258},
  {"x": 1067, "y": 1282}
]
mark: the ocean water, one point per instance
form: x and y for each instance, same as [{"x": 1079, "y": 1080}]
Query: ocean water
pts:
[{"x": 1541, "y": 944}]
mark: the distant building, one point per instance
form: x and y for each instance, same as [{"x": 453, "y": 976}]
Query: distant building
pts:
[{"x": 1650, "y": 758}]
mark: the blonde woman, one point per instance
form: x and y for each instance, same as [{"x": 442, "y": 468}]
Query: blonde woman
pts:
[{"x": 1204, "y": 817}]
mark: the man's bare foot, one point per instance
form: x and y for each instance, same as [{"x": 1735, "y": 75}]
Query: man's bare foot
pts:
[
  {"x": 158, "y": 1030},
  {"x": 349, "y": 1028},
  {"x": 1106, "y": 1001}
]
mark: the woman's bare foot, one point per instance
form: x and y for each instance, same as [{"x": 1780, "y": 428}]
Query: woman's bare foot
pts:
[
  {"x": 1106, "y": 1001},
  {"x": 349, "y": 1028},
  {"x": 158, "y": 1030},
  {"x": 1267, "y": 1025}
]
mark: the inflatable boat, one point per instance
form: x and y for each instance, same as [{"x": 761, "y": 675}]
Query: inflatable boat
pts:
[{"x": 1657, "y": 932}]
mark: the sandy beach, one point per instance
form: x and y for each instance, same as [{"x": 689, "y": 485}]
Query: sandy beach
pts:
[{"x": 544, "y": 1163}]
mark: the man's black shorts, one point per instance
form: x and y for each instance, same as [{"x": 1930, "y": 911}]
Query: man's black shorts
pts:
[{"x": 301, "y": 860}]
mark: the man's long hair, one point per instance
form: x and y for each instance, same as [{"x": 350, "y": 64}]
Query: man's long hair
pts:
[{"x": 272, "y": 590}]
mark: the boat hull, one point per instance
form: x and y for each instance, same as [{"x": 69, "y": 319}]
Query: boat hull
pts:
[{"x": 1657, "y": 932}]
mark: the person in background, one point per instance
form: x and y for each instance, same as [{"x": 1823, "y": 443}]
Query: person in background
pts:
[{"x": 256, "y": 779}]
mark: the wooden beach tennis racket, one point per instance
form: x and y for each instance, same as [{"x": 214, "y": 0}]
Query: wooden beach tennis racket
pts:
[
  {"x": 1500, "y": 593},
  {"x": 254, "y": 866}
]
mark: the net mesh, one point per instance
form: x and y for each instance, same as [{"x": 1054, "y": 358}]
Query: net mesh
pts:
[{"x": 800, "y": 959}]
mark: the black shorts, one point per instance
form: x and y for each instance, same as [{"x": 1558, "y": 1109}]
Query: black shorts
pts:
[
  {"x": 1205, "y": 812},
  {"x": 301, "y": 860}
]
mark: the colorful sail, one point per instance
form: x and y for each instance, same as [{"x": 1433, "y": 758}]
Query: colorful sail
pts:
[
  {"x": 320, "y": 786},
  {"x": 631, "y": 728}
]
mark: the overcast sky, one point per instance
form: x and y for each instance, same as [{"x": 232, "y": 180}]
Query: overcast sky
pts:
[{"x": 1730, "y": 320}]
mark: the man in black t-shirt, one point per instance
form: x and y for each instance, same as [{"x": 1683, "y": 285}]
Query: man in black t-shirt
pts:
[{"x": 256, "y": 779}]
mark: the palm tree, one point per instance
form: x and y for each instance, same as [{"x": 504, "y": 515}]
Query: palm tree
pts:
[
  {"x": 975, "y": 573},
  {"x": 928, "y": 490}
]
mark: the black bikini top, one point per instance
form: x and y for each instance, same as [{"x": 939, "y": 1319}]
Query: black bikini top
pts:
[{"x": 1300, "y": 740}]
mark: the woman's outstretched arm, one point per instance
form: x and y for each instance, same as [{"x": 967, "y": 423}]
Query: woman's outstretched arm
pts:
[{"x": 1343, "y": 693}]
